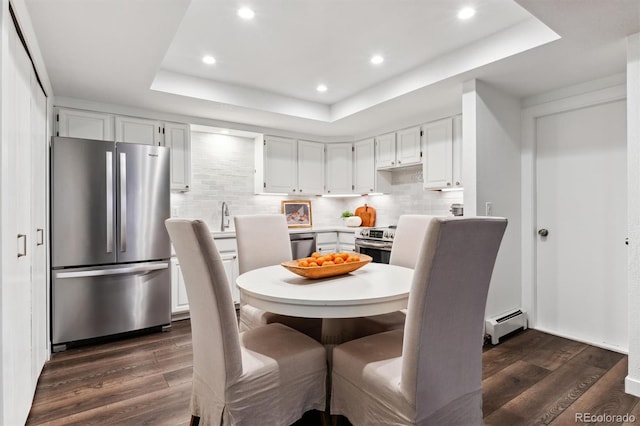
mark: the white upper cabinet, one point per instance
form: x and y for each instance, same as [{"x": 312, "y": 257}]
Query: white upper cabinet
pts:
[
  {"x": 364, "y": 178},
  {"x": 280, "y": 159},
  {"x": 84, "y": 124},
  {"x": 438, "y": 158},
  {"x": 177, "y": 137},
  {"x": 408, "y": 149},
  {"x": 457, "y": 151},
  {"x": 386, "y": 151},
  {"x": 138, "y": 130},
  {"x": 339, "y": 168},
  {"x": 310, "y": 167}
]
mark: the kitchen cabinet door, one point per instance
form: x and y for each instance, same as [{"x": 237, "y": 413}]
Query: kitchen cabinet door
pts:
[
  {"x": 457, "y": 152},
  {"x": 230, "y": 262},
  {"x": 408, "y": 149},
  {"x": 177, "y": 137},
  {"x": 364, "y": 167},
  {"x": 386, "y": 151},
  {"x": 84, "y": 124},
  {"x": 280, "y": 158},
  {"x": 339, "y": 168},
  {"x": 179, "y": 300},
  {"x": 138, "y": 130},
  {"x": 438, "y": 158},
  {"x": 310, "y": 167}
]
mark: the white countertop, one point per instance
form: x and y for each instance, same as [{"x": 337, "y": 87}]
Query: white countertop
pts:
[{"x": 232, "y": 234}]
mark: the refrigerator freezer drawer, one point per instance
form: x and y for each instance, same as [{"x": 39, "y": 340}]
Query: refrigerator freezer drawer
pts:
[{"x": 100, "y": 301}]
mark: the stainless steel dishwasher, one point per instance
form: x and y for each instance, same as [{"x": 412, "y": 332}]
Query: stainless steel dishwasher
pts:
[{"x": 302, "y": 244}]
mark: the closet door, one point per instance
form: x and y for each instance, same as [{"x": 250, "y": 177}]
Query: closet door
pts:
[
  {"x": 16, "y": 235},
  {"x": 39, "y": 229}
]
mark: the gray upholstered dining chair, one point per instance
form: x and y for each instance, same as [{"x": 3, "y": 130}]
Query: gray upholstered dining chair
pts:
[
  {"x": 430, "y": 372},
  {"x": 263, "y": 240},
  {"x": 407, "y": 241},
  {"x": 269, "y": 375}
]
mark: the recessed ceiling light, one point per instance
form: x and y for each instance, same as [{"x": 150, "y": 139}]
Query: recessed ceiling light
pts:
[
  {"x": 208, "y": 59},
  {"x": 377, "y": 59},
  {"x": 321, "y": 88},
  {"x": 246, "y": 13},
  {"x": 466, "y": 13}
]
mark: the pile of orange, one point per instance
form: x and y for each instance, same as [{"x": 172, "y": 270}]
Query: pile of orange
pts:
[{"x": 328, "y": 259}]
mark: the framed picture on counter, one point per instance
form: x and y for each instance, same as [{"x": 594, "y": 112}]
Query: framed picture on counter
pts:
[{"x": 297, "y": 212}]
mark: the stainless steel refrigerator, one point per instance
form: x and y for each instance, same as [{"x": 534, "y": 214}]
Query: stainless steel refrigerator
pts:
[{"x": 110, "y": 250}]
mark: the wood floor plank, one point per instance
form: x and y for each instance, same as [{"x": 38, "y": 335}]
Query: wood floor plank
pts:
[
  {"x": 606, "y": 396},
  {"x": 529, "y": 378},
  {"x": 511, "y": 350},
  {"x": 545, "y": 400},
  {"x": 508, "y": 383}
]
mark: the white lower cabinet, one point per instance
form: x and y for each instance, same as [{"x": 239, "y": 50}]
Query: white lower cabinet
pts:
[
  {"x": 346, "y": 241},
  {"x": 228, "y": 253},
  {"x": 326, "y": 242},
  {"x": 179, "y": 301}
]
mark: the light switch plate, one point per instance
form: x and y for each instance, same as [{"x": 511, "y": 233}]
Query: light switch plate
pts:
[{"x": 488, "y": 208}]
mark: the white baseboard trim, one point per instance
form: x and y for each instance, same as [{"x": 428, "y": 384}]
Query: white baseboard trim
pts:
[
  {"x": 632, "y": 386},
  {"x": 606, "y": 346}
]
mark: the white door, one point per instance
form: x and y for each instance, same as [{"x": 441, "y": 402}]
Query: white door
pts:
[
  {"x": 581, "y": 204},
  {"x": 39, "y": 221}
]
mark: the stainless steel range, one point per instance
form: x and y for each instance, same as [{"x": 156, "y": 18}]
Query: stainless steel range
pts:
[{"x": 375, "y": 242}]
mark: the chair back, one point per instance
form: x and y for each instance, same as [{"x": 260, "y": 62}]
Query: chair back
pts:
[
  {"x": 442, "y": 347},
  {"x": 263, "y": 240},
  {"x": 408, "y": 239},
  {"x": 214, "y": 329}
]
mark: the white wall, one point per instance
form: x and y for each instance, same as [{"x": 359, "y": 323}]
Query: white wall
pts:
[
  {"x": 491, "y": 172},
  {"x": 632, "y": 382},
  {"x": 222, "y": 169}
]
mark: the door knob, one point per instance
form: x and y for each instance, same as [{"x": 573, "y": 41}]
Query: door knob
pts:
[{"x": 543, "y": 232}]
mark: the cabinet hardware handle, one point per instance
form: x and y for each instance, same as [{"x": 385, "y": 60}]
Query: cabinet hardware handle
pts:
[
  {"x": 40, "y": 232},
  {"x": 294, "y": 190},
  {"x": 393, "y": 162},
  {"x": 457, "y": 183},
  {"x": 299, "y": 190},
  {"x": 448, "y": 183},
  {"x": 24, "y": 245},
  {"x": 399, "y": 162}
]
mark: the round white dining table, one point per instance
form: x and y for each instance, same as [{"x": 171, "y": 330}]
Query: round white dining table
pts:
[{"x": 374, "y": 289}]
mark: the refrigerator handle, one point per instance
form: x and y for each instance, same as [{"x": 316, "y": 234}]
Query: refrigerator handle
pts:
[
  {"x": 109, "y": 176},
  {"x": 115, "y": 271},
  {"x": 123, "y": 201}
]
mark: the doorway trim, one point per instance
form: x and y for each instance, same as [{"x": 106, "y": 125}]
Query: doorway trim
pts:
[{"x": 596, "y": 96}]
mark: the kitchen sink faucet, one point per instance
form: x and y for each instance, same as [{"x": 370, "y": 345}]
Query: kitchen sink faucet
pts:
[{"x": 224, "y": 223}]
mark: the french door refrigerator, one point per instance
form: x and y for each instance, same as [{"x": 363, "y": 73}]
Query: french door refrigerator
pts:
[{"x": 110, "y": 250}]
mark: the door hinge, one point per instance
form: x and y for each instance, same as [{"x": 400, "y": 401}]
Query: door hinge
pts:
[
  {"x": 421, "y": 132},
  {"x": 163, "y": 131},
  {"x": 420, "y": 154},
  {"x": 58, "y": 117},
  {"x": 353, "y": 148},
  {"x": 264, "y": 184},
  {"x": 57, "y": 133},
  {"x": 353, "y": 187},
  {"x": 264, "y": 142},
  {"x": 159, "y": 130}
]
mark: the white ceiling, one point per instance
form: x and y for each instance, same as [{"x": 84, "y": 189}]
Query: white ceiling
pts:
[{"x": 147, "y": 54}]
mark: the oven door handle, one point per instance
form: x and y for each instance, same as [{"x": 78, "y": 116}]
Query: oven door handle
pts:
[{"x": 373, "y": 245}]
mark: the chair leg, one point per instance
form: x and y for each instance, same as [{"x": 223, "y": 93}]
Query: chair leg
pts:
[{"x": 195, "y": 421}]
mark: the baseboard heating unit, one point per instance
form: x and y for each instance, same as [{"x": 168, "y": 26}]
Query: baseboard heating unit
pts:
[{"x": 501, "y": 325}]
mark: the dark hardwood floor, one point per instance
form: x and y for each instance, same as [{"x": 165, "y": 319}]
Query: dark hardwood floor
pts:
[{"x": 530, "y": 378}]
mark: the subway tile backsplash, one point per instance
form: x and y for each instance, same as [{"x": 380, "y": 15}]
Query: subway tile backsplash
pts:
[{"x": 222, "y": 169}]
